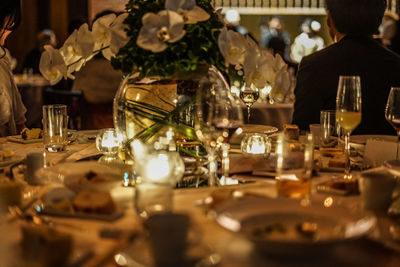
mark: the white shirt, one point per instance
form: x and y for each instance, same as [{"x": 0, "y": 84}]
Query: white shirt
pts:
[{"x": 12, "y": 110}]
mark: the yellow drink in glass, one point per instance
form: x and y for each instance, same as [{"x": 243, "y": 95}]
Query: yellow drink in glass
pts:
[{"x": 348, "y": 120}]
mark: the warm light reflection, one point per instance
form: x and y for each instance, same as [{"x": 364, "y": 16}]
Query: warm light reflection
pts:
[{"x": 328, "y": 202}]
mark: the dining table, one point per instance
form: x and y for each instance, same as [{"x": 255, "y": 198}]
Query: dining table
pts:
[{"x": 123, "y": 241}]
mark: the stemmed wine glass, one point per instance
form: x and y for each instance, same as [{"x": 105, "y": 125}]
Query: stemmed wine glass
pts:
[
  {"x": 218, "y": 115},
  {"x": 392, "y": 113},
  {"x": 249, "y": 95},
  {"x": 348, "y": 112}
]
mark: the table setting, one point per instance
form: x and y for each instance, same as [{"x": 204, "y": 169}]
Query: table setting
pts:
[{"x": 181, "y": 179}]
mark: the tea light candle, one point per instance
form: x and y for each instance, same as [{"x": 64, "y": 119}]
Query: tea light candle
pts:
[
  {"x": 256, "y": 143},
  {"x": 107, "y": 141}
]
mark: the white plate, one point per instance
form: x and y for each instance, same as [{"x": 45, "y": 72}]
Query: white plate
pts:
[
  {"x": 335, "y": 224},
  {"x": 252, "y": 128},
  {"x": 19, "y": 139},
  {"x": 67, "y": 173}
]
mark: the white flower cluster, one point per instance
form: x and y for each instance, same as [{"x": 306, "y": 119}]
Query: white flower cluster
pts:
[
  {"x": 260, "y": 67},
  {"x": 107, "y": 36},
  {"x": 167, "y": 26}
]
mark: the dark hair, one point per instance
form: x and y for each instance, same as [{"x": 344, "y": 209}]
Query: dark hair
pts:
[
  {"x": 10, "y": 9},
  {"x": 356, "y": 17}
]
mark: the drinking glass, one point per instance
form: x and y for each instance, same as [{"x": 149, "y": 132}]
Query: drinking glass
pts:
[
  {"x": 392, "y": 113},
  {"x": 55, "y": 121},
  {"x": 348, "y": 112},
  {"x": 218, "y": 115},
  {"x": 329, "y": 134},
  {"x": 249, "y": 95}
]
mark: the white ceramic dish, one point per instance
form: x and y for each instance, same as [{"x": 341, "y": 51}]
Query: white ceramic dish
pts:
[
  {"x": 252, "y": 128},
  {"x": 334, "y": 224},
  {"x": 69, "y": 173}
]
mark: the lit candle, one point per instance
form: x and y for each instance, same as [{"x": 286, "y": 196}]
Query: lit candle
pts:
[{"x": 256, "y": 148}]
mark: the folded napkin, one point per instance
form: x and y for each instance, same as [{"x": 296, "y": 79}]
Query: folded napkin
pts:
[{"x": 377, "y": 151}]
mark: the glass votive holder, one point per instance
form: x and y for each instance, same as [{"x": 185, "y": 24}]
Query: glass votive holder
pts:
[
  {"x": 107, "y": 141},
  {"x": 158, "y": 171},
  {"x": 256, "y": 144}
]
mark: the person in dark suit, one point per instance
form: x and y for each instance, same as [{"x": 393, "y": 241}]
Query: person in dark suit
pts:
[{"x": 352, "y": 24}]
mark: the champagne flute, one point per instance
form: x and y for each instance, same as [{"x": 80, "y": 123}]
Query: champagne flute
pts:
[
  {"x": 392, "y": 113},
  {"x": 348, "y": 112},
  {"x": 249, "y": 95}
]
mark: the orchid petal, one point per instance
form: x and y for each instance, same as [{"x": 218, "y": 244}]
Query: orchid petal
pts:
[
  {"x": 52, "y": 65},
  {"x": 101, "y": 31}
]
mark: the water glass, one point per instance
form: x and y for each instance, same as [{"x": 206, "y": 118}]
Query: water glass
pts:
[
  {"x": 55, "y": 122},
  {"x": 294, "y": 165},
  {"x": 329, "y": 133}
]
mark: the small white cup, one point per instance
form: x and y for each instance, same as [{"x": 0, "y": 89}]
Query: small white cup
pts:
[
  {"x": 34, "y": 161},
  {"x": 376, "y": 187}
]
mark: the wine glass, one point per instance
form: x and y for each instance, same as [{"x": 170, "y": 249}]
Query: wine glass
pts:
[
  {"x": 249, "y": 95},
  {"x": 218, "y": 115},
  {"x": 392, "y": 113},
  {"x": 348, "y": 112}
]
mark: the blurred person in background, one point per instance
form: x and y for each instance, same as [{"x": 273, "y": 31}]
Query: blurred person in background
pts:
[
  {"x": 275, "y": 29},
  {"x": 32, "y": 59},
  {"x": 308, "y": 41},
  {"x": 232, "y": 19},
  {"x": 12, "y": 110},
  {"x": 352, "y": 24}
]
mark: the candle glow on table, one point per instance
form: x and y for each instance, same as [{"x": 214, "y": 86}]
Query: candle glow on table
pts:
[
  {"x": 107, "y": 141},
  {"x": 256, "y": 143}
]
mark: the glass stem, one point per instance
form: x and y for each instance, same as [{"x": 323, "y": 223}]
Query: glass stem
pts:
[
  {"x": 212, "y": 165},
  {"x": 225, "y": 162},
  {"x": 248, "y": 114},
  {"x": 398, "y": 143},
  {"x": 347, "y": 166}
]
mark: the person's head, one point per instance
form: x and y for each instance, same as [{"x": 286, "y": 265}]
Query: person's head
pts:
[
  {"x": 355, "y": 17},
  {"x": 46, "y": 37},
  {"x": 232, "y": 17},
  {"x": 10, "y": 18},
  {"x": 306, "y": 26},
  {"x": 276, "y": 22}
]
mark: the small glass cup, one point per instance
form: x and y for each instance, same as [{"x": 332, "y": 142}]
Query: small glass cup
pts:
[
  {"x": 329, "y": 134},
  {"x": 55, "y": 122},
  {"x": 256, "y": 144},
  {"x": 294, "y": 165},
  {"x": 107, "y": 142}
]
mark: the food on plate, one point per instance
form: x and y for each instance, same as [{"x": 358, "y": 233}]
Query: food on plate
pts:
[
  {"x": 59, "y": 199},
  {"x": 45, "y": 245},
  {"x": 94, "y": 201},
  {"x": 34, "y": 133},
  {"x": 6, "y": 155},
  {"x": 291, "y": 131},
  {"x": 278, "y": 230},
  {"x": 10, "y": 191}
]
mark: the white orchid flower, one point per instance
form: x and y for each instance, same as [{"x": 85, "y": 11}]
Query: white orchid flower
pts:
[
  {"x": 78, "y": 48},
  {"x": 232, "y": 46},
  {"x": 254, "y": 67},
  {"x": 52, "y": 65},
  {"x": 119, "y": 38},
  {"x": 281, "y": 85},
  {"x": 109, "y": 34},
  {"x": 158, "y": 29},
  {"x": 279, "y": 63},
  {"x": 101, "y": 31},
  {"x": 188, "y": 9}
]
